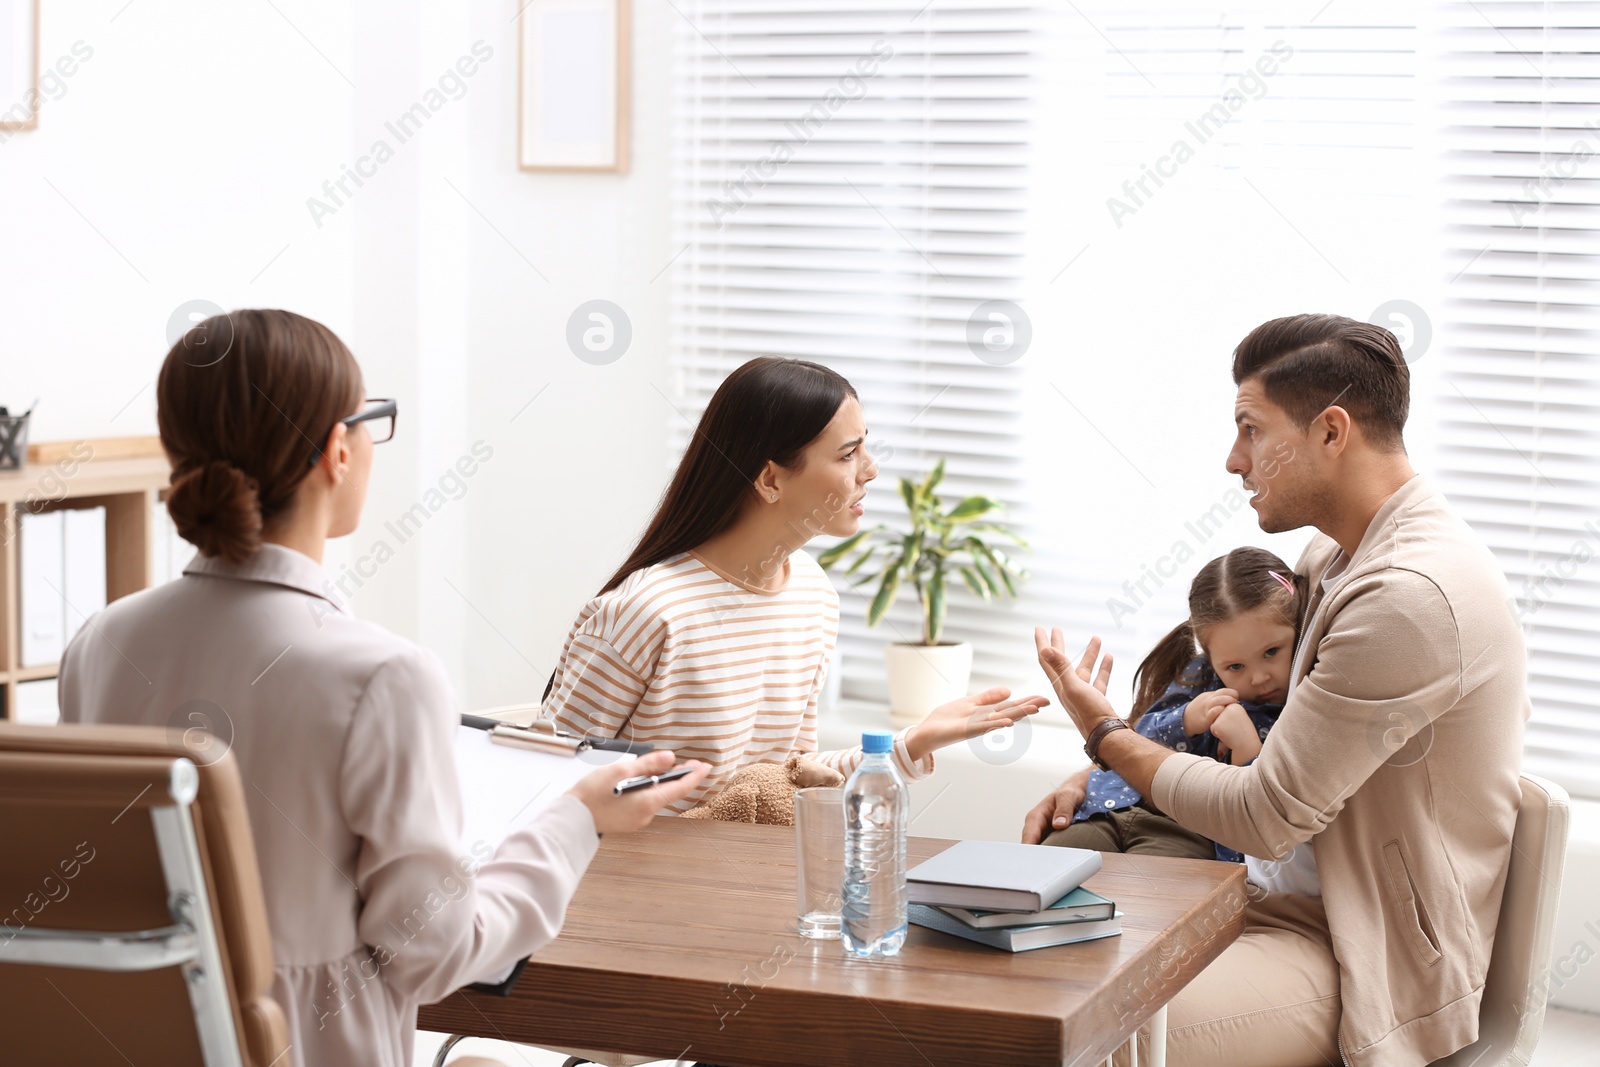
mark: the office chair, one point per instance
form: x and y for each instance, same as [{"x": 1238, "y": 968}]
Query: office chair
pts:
[{"x": 134, "y": 926}]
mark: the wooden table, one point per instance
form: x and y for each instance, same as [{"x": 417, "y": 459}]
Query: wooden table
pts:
[{"x": 681, "y": 943}]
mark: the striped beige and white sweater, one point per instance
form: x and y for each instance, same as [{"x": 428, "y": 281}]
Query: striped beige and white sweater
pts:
[{"x": 683, "y": 656}]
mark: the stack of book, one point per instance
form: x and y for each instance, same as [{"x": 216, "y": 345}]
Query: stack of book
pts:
[{"x": 1012, "y": 897}]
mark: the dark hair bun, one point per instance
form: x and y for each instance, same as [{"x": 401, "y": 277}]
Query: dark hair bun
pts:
[{"x": 216, "y": 507}]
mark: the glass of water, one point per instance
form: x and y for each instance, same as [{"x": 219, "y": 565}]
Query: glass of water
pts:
[{"x": 819, "y": 859}]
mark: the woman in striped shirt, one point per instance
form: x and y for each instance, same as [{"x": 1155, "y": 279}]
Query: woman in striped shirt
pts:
[{"x": 714, "y": 637}]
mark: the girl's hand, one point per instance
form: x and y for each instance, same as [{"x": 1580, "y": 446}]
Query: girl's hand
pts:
[
  {"x": 968, "y": 717},
  {"x": 1203, "y": 710},
  {"x": 1239, "y": 742},
  {"x": 633, "y": 811},
  {"x": 1085, "y": 700}
]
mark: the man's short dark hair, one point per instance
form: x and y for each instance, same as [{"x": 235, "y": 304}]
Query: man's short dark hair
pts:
[{"x": 1308, "y": 363}]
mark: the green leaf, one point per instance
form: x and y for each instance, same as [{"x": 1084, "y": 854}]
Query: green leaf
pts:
[
  {"x": 884, "y": 599},
  {"x": 840, "y": 550},
  {"x": 913, "y": 550},
  {"x": 935, "y": 476},
  {"x": 866, "y": 554},
  {"x": 908, "y": 493},
  {"x": 979, "y": 547},
  {"x": 983, "y": 572},
  {"x": 974, "y": 582},
  {"x": 1011, "y": 586},
  {"x": 971, "y": 508},
  {"x": 933, "y": 618},
  {"x": 990, "y": 527}
]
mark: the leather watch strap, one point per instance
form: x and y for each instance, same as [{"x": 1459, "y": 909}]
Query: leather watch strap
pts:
[{"x": 1091, "y": 745}]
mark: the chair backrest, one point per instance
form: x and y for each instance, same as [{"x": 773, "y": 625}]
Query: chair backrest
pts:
[
  {"x": 132, "y": 923},
  {"x": 1512, "y": 1014}
]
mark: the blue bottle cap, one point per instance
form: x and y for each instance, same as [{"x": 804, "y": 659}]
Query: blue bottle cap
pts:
[{"x": 877, "y": 741}]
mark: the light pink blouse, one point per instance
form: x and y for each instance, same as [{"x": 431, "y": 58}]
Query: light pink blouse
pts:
[{"x": 344, "y": 735}]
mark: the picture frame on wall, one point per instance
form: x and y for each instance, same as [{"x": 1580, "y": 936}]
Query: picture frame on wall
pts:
[
  {"x": 19, "y": 64},
  {"x": 573, "y": 85}
]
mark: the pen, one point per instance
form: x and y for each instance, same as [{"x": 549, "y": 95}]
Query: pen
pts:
[
  {"x": 553, "y": 739},
  {"x": 645, "y": 781}
]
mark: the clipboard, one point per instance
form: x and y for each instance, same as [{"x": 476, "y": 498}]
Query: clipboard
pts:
[
  {"x": 507, "y": 773},
  {"x": 544, "y": 736},
  {"x": 504, "y": 988}
]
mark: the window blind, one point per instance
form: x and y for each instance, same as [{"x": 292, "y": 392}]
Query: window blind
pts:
[
  {"x": 849, "y": 186},
  {"x": 1520, "y": 429}
]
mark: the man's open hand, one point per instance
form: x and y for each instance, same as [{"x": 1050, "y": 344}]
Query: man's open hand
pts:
[{"x": 1082, "y": 689}]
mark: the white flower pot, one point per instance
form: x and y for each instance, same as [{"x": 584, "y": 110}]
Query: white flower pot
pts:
[{"x": 921, "y": 677}]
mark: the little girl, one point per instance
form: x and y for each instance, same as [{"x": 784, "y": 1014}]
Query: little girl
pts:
[
  {"x": 1244, "y": 617},
  {"x": 714, "y": 637}
]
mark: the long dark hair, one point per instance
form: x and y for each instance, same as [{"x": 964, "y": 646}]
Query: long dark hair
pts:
[
  {"x": 1241, "y": 581},
  {"x": 768, "y": 410}
]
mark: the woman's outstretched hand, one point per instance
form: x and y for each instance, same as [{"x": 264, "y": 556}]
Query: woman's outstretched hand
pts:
[
  {"x": 1082, "y": 689},
  {"x": 969, "y": 717}
]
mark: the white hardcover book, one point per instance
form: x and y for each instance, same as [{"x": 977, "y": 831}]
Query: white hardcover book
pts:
[
  {"x": 44, "y": 618},
  {"x": 85, "y": 562},
  {"x": 999, "y": 876}
]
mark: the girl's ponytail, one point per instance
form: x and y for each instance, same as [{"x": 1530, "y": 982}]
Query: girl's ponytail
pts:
[
  {"x": 1302, "y": 600},
  {"x": 1164, "y": 663}
]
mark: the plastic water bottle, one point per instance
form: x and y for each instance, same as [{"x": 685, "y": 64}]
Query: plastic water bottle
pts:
[{"x": 876, "y": 807}]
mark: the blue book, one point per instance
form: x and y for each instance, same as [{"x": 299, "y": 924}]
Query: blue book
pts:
[
  {"x": 1080, "y": 905},
  {"x": 1016, "y": 938}
]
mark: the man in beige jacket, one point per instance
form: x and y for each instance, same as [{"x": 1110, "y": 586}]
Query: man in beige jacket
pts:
[{"x": 1382, "y": 804}]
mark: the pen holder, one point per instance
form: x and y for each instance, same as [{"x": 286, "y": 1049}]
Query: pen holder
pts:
[{"x": 13, "y": 440}]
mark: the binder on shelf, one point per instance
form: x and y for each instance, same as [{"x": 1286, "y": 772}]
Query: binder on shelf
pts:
[
  {"x": 63, "y": 562},
  {"x": 36, "y": 703},
  {"x": 83, "y": 585},
  {"x": 42, "y": 544}
]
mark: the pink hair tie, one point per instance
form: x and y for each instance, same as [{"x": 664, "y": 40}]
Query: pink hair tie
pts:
[{"x": 1286, "y": 583}]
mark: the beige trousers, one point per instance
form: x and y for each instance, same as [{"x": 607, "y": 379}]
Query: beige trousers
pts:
[{"x": 1270, "y": 1000}]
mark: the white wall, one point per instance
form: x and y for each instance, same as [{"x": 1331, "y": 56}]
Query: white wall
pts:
[
  {"x": 191, "y": 140},
  {"x": 576, "y": 474},
  {"x": 170, "y": 167}
]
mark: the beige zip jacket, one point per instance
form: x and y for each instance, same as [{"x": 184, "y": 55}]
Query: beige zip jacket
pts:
[{"x": 1399, "y": 751}]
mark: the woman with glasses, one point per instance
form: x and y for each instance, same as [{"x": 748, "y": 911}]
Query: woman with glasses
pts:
[{"x": 344, "y": 732}]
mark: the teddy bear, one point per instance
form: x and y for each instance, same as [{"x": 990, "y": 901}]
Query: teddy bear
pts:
[{"x": 764, "y": 792}]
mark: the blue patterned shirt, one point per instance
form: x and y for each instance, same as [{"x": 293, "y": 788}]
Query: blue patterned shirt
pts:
[{"x": 1163, "y": 724}]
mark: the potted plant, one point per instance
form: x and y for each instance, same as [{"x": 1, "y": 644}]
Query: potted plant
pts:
[{"x": 941, "y": 542}]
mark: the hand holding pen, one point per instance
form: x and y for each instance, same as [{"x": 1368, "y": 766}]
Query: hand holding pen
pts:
[{"x": 635, "y": 807}]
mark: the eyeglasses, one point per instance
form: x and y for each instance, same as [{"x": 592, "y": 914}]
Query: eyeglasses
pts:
[{"x": 381, "y": 412}]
